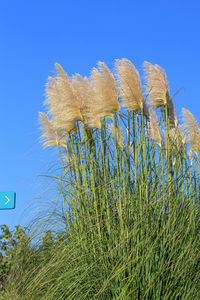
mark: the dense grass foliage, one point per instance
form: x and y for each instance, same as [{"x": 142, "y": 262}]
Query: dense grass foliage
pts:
[{"x": 130, "y": 192}]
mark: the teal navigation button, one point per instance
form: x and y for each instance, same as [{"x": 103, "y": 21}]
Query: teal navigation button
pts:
[{"x": 7, "y": 200}]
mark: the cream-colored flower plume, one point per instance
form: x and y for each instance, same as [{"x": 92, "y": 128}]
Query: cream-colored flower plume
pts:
[
  {"x": 104, "y": 91},
  {"x": 153, "y": 129},
  {"x": 50, "y": 136},
  {"x": 87, "y": 101},
  {"x": 129, "y": 85},
  {"x": 118, "y": 136},
  {"x": 68, "y": 156},
  {"x": 157, "y": 87},
  {"x": 191, "y": 157},
  {"x": 62, "y": 104},
  {"x": 177, "y": 140},
  {"x": 172, "y": 115},
  {"x": 192, "y": 131}
]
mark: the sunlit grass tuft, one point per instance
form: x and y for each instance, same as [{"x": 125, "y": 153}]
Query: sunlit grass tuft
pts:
[{"x": 130, "y": 192}]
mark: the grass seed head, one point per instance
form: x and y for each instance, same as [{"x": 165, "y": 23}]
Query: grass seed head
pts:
[
  {"x": 62, "y": 104},
  {"x": 157, "y": 87},
  {"x": 153, "y": 129},
  {"x": 118, "y": 136},
  {"x": 104, "y": 91},
  {"x": 172, "y": 114},
  {"x": 129, "y": 85},
  {"x": 190, "y": 155},
  {"x": 50, "y": 136},
  {"x": 88, "y": 103},
  {"x": 191, "y": 129},
  {"x": 177, "y": 140}
]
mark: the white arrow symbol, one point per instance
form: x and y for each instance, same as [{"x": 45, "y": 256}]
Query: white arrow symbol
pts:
[{"x": 7, "y": 199}]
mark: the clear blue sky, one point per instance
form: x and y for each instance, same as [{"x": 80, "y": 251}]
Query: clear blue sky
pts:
[{"x": 77, "y": 34}]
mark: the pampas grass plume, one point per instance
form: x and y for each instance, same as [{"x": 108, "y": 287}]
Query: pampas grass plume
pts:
[
  {"x": 129, "y": 84},
  {"x": 191, "y": 128},
  {"x": 157, "y": 87},
  {"x": 105, "y": 91},
  {"x": 62, "y": 104},
  {"x": 89, "y": 106},
  {"x": 153, "y": 129},
  {"x": 50, "y": 136}
]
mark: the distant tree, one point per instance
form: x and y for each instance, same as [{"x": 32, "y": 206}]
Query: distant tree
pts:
[
  {"x": 9, "y": 241},
  {"x": 18, "y": 255}
]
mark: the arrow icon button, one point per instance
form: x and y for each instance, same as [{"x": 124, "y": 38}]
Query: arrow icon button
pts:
[{"x": 7, "y": 200}]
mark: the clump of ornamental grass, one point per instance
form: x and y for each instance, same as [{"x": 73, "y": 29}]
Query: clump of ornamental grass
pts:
[{"x": 130, "y": 190}]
